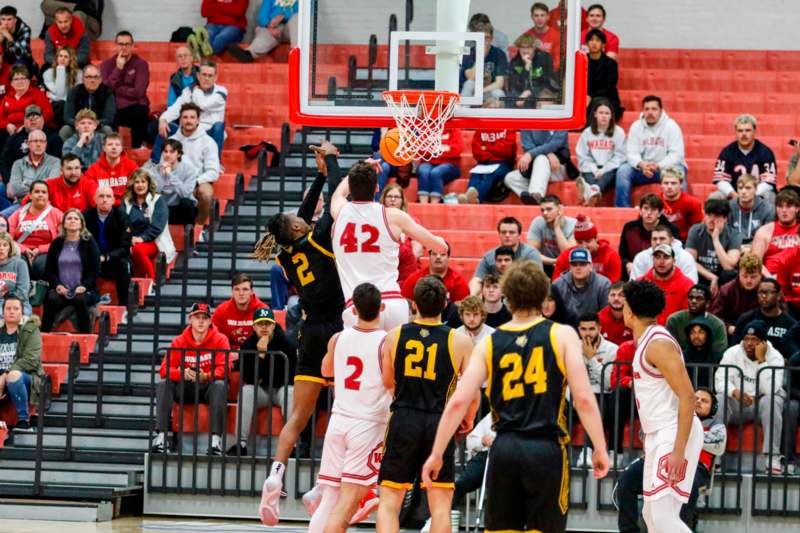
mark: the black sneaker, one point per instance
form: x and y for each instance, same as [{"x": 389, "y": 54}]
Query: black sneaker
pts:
[
  {"x": 237, "y": 449},
  {"x": 214, "y": 450},
  {"x": 528, "y": 199},
  {"x": 240, "y": 54},
  {"x": 23, "y": 426}
]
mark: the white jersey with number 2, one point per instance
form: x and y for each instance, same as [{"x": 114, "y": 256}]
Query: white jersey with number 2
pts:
[
  {"x": 366, "y": 250},
  {"x": 358, "y": 382}
]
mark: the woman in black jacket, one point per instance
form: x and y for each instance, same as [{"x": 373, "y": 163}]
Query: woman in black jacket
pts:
[{"x": 73, "y": 262}]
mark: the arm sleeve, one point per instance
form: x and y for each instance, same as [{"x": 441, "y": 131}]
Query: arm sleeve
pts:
[
  {"x": 715, "y": 439},
  {"x": 23, "y": 285},
  {"x": 109, "y": 111},
  {"x": 335, "y": 176},
  {"x": 624, "y": 253},
  {"x": 15, "y": 183},
  {"x": 83, "y": 50},
  {"x": 30, "y": 360},
  {"x": 172, "y": 112},
  {"x": 619, "y": 155},
  {"x": 22, "y": 47},
  {"x": 633, "y": 147},
  {"x": 49, "y": 49},
  {"x": 556, "y": 142},
  {"x": 158, "y": 221},
  {"x": 210, "y": 171},
  {"x": 306, "y": 209},
  {"x": 185, "y": 182},
  {"x": 124, "y": 248},
  {"x": 585, "y": 161},
  {"x": 92, "y": 267},
  {"x": 675, "y": 149},
  {"x": 483, "y": 268}
]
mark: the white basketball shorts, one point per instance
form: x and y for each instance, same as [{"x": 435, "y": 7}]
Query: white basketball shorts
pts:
[
  {"x": 657, "y": 449},
  {"x": 352, "y": 451}
]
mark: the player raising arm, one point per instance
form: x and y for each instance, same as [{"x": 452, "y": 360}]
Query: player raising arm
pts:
[{"x": 528, "y": 363}]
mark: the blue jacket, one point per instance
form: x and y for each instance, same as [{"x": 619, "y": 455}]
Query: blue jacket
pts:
[
  {"x": 269, "y": 11},
  {"x": 543, "y": 142},
  {"x": 147, "y": 228}
]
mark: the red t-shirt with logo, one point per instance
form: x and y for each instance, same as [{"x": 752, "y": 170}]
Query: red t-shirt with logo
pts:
[
  {"x": 614, "y": 330},
  {"x": 684, "y": 212},
  {"x": 234, "y": 323}
]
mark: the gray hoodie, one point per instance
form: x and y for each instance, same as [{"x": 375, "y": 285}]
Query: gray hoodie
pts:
[
  {"x": 748, "y": 222},
  {"x": 14, "y": 279},
  {"x": 202, "y": 152},
  {"x": 662, "y": 142},
  {"x": 179, "y": 183},
  {"x": 588, "y": 299}
]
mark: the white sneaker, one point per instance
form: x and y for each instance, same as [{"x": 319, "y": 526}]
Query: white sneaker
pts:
[
  {"x": 594, "y": 196},
  {"x": 270, "y": 495},
  {"x": 427, "y": 527},
  {"x": 311, "y": 499},
  {"x": 585, "y": 458},
  {"x": 158, "y": 445},
  {"x": 774, "y": 465},
  {"x": 583, "y": 190}
]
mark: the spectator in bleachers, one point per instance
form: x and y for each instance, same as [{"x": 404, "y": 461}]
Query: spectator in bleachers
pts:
[
  {"x": 34, "y": 227},
  {"x": 554, "y": 309},
  {"x": 148, "y": 215},
  {"x": 87, "y": 143},
  {"x": 494, "y": 152},
  {"x": 202, "y": 153},
  {"x": 234, "y": 317},
  {"x": 739, "y": 295},
  {"x": 472, "y": 314},
  {"x": 546, "y": 159},
  {"x": 189, "y": 371},
  {"x": 114, "y": 168},
  {"x": 603, "y": 75},
  {"x": 699, "y": 350},
  {"x": 749, "y": 211},
  {"x": 548, "y": 37},
  {"x": 552, "y": 232},
  {"x": 497, "y": 313},
  {"x": 15, "y": 40},
  {"x": 90, "y": 12},
  {"x": 655, "y": 143},
  {"x": 509, "y": 229},
  {"x": 63, "y": 75},
  {"x": 128, "y": 75},
  {"x": 433, "y": 175},
  {"x": 393, "y": 196},
  {"x": 595, "y": 19},
  {"x": 662, "y": 234},
  {"x": 637, "y": 234},
  {"x": 402, "y": 175},
  {"x": 600, "y": 151},
  {"x": 698, "y": 300},
  {"x": 784, "y": 233},
  {"x": 530, "y": 75},
  {"x": 503, "y": 257},
  {"x": 16, "y": 147},
  {"x": 276, "y": 23},
  {"x": 14, "y": 278},
  {"x": 92, "y": 94},
  {"x": 680, "y": 208},
  {"x": 495, "y": 67},
  {"x": 500, "y": 38},
  {"x": 715, "y": 248},
  {"x": 175, "y": 180},
  {"x": 15, "y": 103},
  {"x": 71, "y": 190},
  {"x": 786, "y": 268},
  {"x": 738, "y": 397},
  {"x": 746, "y": 155},
  {"x": 670, "y": 280},
  {"x": 66, "y": 30},
  {"x": 769, "y": 312},
  {"x": 227, "y": 22},
  {"x": 109, "y": 226},
  {"x": 439, "y": 266},
  {"x": 259, "y": 389},
  {"x": 73, "y": 262},
  {"x": 38, "y": 165},
  {"x": 605, "y": 260},
  {"x": 185, "y": 76},
  {"x": 581, "y": 289},
  {"x": 612, "y": 323},
  {"x": 21, "y": 372},
  {"x": 210, "y": 97}
]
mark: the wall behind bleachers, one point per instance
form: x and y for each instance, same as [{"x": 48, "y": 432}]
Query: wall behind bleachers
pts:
[{"x": 720, "y": 24}]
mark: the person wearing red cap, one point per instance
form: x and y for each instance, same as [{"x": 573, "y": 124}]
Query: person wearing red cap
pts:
[
  {"x": 670, "y": 279},
  {"x": 605, "y": 260}
]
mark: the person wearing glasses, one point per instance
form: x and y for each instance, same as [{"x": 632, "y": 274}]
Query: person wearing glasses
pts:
[
  {"x": 128, "y": 75},
  {"x": 94, "y": 95}
]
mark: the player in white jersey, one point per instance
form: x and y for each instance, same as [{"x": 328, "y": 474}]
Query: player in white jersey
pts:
[
  {"x": 351, "y": 454},
  {"x": 665, "y": 401},
  {"x": 366, "y": 243}
]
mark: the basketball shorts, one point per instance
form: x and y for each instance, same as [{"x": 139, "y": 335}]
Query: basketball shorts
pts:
[
  {"x": 657, "y": 449},
  {"x": 527, "y": 484},
  {"x": 408, "y": 443},
  {"x": 313, "y": 344},
  {"x": 395, "y": 313},
  {"x": 352, "y": 451}
]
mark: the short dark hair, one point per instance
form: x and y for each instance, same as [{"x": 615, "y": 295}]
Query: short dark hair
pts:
[
  {"x": 240, "y": 278},
  {"x": 209, "y": 63},
  {"x": 551, "y": 199},
  {"x": 589, "y": 317},
  {"x": 594, "y": 32},
  {"x": 652, "y": 98},
  {"x": 653, "y": 201},
  {"x": 596, "y": 6},
  {"x": 702, "y": 288},
  {"x": 617, "y": 285},
  {"x": 525, "y": 286},
  {"x": 504, "y": 250},
  {"x": 612, "y": 123},
  {"x": 787, "y": 196},
  {"x": 123, "y": 33},
  {"x": 477, "y": 18},
  {"x": 430, "y": 296},
  {"x": 12, "y": 298},
  {"x": 19, "y": 69},
  {"x": 645, "y": 298},
  {"x": 717, "y": 206},
  {"x": 367, "y": 300},
  {"x": 772, "y": 281},
  {"x": 190, "y": 106},
  {"x": 66, "y": 158},
  {"x": 61, "y": 10},
  {"x": 540, "y": 6},
  {"x": 8, "y": 10},
  {"x": 176, "y": 145},
  {"x": 663, "y": 228},
  {"x": 509, "y": 220},
  {"x": 39, "y": 182},
  {"x": 363, "y": 181},
  {"x": 491, "y": 279}
]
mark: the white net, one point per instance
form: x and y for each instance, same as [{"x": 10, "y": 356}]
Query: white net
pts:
[{"x": 421, "y": 117}]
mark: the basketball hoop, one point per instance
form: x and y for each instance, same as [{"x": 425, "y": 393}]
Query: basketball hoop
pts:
[{"x": 421, "y": 117}]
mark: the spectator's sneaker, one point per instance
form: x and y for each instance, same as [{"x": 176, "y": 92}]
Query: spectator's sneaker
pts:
[
  {"x": 367, "y": 505},
  {"x": 240, "y": 54},
  {"x": 427, "y": 527},
  {"x": 585, "y": 458},
  {"x": 530, "y": 198},
  {"x": 595, "y": 195},
  {"x": 216, "y": 446},
  {"x": 159, "y": 444},
  {"x": 105, "y": 299},
  {"x": 238, "y": 449},
  {"x": 774, "y": 465},
  {"x": 270, "y": 495},
  {"x": 469, "y": 197},
  {"x": 203, "y": 41},
  {"x": 23, "y": 426},
  {"x": 583, "y": 190},
  {"x": 193, "y": 45},
  {"x": 311, "y": 499}
]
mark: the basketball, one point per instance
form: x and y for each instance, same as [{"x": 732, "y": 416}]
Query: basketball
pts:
[{"x": 389, "y": 143}]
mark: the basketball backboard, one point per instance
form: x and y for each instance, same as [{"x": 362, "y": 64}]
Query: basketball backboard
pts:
[{"x": 349, "y": 52}]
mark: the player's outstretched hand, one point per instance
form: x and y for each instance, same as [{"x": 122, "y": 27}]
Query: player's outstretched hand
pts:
[
  {"x": 600, "y": 463},
  {"x": 430, "y": 470}
]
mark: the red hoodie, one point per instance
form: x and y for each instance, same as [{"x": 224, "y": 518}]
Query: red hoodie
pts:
[
  {"x": 623, "y": 374},
  {"x": 225, "y": 12},
  {"x": 115, "y": 177},
  {"x": 213, "y": 340},
  {"x": 453, "y": 138},
  {"x": 12, "y": 109},
  {"x": 71, "y": 39},
  {"x": 605, "y": 261},
  {"x": 787, "y": 271},
  {"x": 236, "y": 325},
  {"x": 80, "y": 196},
  {"x": 684, "y": 212},
  {"x": 613, "y": 330},
  {"x": 676, "y": 290},
  {"x": 494, "y": 146}
]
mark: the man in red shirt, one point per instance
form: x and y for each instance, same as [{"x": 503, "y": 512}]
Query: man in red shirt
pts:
[
  {"x": 595, "y": 18},
  {"x": 611, "y": 322},
  {"x": 439, "y": 266},
  {"x": 680, "y": 208},
  {"x": 69, "y": 190},
  {"x": 786, "y": 268},
  {"x": 234, "y": 317},
  {"x": 67, "y": 30},
  {"x": 113, "y": 168},
  {"x": 670, "y": 279},
  {"x": 773, "y": 238},
  {"x": 605, "y": 260},
  {"x": 548, "y": 38}
]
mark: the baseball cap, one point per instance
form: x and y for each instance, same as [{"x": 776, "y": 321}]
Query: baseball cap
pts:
[
  {"x": 33, "y": 109},
  {"x": 580, "y": 255},
  {"x": 200, "y": 308},
  {"x": 757, "y": 328},
  {"x": 263, "y": 314},
  {"x": 664, "y": 249}
]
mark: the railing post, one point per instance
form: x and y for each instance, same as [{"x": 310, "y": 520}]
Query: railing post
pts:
[
  {"x": 133, "y": 307},
  {"x": 212, "y": 230},
  {"x": 238, "y": 196},
  {"x": 102, "y": 338},
  {"x": 39, "y": 452},
  {"x": 74, "y": 363},
  {"x": 160, "y": 266},
  {"x": 286, "y": 133}
]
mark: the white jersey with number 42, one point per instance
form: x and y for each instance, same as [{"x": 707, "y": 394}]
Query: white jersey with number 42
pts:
[
  {"x": 366, "y": 250},
  {"x": 656, "y": 402},
  {"x": 358, "y": 382}
]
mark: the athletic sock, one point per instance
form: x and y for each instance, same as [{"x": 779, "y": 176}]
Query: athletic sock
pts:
[{"x": 277, "y": 470}]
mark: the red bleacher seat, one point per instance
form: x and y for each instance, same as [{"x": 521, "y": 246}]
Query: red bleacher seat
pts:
[
  {"x": 280, "y": 317},
  {"x": 58, "y": 376},
  {"x": 107, "y": 286},
  {"x": 55, "y": 346}
]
